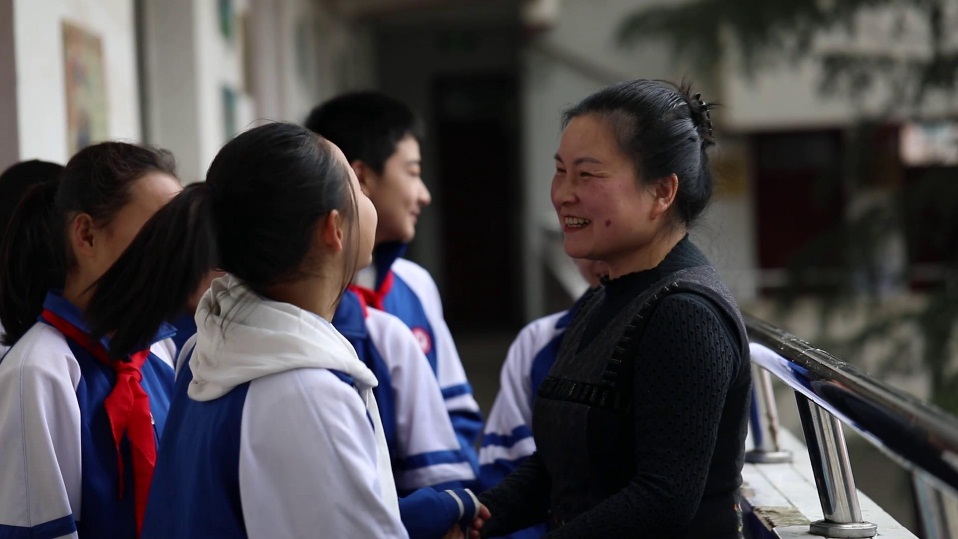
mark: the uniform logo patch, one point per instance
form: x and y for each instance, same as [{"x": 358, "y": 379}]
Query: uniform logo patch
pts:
[{"x": 422, "y": 336}]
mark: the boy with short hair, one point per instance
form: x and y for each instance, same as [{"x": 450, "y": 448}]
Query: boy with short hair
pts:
[{"x": 380, "y": 138}]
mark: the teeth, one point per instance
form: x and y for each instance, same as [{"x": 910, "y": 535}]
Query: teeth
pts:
[{"x": 576, "y": 221}]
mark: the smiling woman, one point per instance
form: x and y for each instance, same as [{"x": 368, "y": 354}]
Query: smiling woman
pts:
[{"x": 640, "y": 425}]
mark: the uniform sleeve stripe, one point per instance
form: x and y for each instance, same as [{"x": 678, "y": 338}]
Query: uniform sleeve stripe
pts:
[
  {"x": 456, "y": 497},
  {"x": 456, "y": 391},
  {"x": 433, "y": 458},
  {"x": 507, "y": 440},
  {"x": 48, "y": 530}
]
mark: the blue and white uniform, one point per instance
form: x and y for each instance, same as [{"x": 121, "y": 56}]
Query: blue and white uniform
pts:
[
  {"x": 277, "y": 433},
  {"x": 59, "y": 470},
  {"x": 507, "y": 440},
  {"x": 423, "y": 446},
  {"x": 407, "y": 291}
]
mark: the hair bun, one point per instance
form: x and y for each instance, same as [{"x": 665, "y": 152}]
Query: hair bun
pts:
[{"x": 702, "y": 118}]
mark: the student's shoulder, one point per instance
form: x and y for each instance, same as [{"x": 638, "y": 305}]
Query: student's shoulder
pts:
[
  {"x": 386, "y": 325},
  {"x": 309, "y": 387},
  {"x": 416, "y": 276},
  {"x": 43, "y": 352},
  {"x": 546, "y": 324}
]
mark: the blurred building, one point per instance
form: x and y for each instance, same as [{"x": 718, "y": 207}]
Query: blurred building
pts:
[{"x": 489, "y": 76}]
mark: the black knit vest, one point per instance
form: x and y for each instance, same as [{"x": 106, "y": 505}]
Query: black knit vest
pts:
[{"x": 590, "y": 392}]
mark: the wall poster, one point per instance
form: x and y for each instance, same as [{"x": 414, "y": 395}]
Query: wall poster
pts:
[{"x": 84, "y": 81}]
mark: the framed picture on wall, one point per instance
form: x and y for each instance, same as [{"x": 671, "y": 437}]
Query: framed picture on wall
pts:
[{"x": 85, "y": 86}]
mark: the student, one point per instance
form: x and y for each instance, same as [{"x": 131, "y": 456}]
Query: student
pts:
[
  {"x": 507, "y": 438},
  {"x": 15, "y": 182},
  {"x": 380, "y": 138},
  {"x": 423, "y": 446},
  {"x": 640, "y": 425},
  {"x": 79, "y": 423},
  {"x": 274, "y": 430}
]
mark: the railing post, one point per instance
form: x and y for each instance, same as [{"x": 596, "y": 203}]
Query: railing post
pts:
[
  {"x": 764, "y": 421},
  {"x": 833, "y": 474},
  {"x": 938, "y": 513}
]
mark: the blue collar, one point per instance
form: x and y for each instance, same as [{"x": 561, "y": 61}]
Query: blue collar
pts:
[
  {"x": 349, "y": 318},
  {"x": 383, "y": 257},
  {"x": 72, "y": 314}
]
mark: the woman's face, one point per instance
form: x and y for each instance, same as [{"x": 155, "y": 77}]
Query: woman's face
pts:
[{"x": 604, "y": 211}]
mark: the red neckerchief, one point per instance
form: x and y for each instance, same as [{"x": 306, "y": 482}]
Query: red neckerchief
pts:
[
  {"x": 374, "y": 298},
  {"x": 127, "y": 406}
]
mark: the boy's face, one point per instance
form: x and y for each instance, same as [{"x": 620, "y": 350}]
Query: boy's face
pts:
[{"x": 398, "y": 193}]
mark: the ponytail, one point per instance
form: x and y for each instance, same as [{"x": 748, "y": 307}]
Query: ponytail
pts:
[
  {"x": 32, "y": 260},
  {"x": 153, "y": 279}
]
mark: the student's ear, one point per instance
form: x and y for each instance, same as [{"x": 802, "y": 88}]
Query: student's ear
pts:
[
  {"x": 664, "y": 192},
  {"x": 82, "y": 236},
  {"x": 364, "y": 174},
  {"x": 329, "y": 232}
]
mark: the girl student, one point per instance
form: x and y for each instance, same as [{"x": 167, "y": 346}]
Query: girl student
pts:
[
  {"x": 273, "y": 430},
  {"x": 15, "y": 182},
  {"x": 79, "y": 427},
  {"x": 640, "y": 426}
]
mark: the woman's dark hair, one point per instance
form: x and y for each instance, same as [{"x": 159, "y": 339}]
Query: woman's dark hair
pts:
[
  {"x": 664, "y": 130},
  {"x": 36, "y": 257},
  {"x": 253, "y": 217},
  {"x": 365, "y": 125},
  {"x": 18, "y": 179}
]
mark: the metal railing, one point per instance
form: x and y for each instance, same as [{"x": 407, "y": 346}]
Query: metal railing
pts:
[{"x": 830, "y": 393}]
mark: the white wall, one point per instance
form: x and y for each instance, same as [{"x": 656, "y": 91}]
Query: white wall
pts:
[
  {"x": 285, "y": 57},
  {"x": 189, "y": 62},
  {"x": 303, "y": 54},
  {"x": 41, "y": 97}
]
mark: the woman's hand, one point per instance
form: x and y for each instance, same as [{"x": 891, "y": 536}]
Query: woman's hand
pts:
[{"x": 476, "y": 525}]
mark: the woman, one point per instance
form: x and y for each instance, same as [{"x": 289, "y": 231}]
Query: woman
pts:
[
  {"x": 78, "y": 425},
  {"x": 640, "y": 425}
]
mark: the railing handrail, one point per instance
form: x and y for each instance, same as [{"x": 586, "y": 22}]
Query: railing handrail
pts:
[{"x": 918, "y": 435}]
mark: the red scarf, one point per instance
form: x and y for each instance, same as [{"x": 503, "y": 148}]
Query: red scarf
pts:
[
  {"x": 128, "y": 407},
  {"x": 374, "y": 298}
]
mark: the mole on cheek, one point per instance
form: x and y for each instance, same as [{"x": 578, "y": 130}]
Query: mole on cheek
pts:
[{"x": 608, "y": 223}]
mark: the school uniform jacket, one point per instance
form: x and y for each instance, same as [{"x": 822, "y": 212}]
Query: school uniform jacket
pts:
[
  {"x": 58, "y": 463},
  {"x": 277, "y": 433},
  {"x": 423, "y": 446},
  {"x": 406, "y": 290},
  {"x": 507, "y": 440}
]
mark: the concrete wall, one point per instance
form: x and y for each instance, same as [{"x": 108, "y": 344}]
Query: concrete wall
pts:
[{"x": 38, "y": 51}]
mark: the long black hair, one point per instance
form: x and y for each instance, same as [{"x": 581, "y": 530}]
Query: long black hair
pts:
[
  {"x": 253, "y": 217},
  {"x": 664, "y": 130},
  {"x": 36, "y": 257}
]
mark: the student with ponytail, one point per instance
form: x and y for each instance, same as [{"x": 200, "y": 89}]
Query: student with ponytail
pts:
[
  {"x": 273, "y": 430},
  {"x": 79, "y": 422},
  {"x": 33, "y": 183}
]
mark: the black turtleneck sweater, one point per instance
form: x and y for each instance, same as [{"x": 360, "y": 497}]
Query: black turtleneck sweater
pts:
[{"x": 670, "y": 466}]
